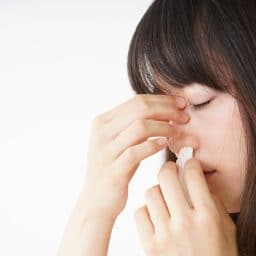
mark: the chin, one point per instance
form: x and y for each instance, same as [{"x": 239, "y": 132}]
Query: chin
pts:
[{"x": 231, "y": 208}]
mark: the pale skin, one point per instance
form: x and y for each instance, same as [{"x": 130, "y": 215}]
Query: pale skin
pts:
[
  {"x": 118, "y": 143},
  {"x": 217, "y": 136}
]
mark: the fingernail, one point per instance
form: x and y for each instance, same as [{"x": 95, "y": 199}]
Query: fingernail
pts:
[
  {"x": 180, "y": 102},
  {"x": 184, "y": 117}
]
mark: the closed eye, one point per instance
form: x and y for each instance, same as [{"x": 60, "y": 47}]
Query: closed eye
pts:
[{"x": 202, "y": 105}]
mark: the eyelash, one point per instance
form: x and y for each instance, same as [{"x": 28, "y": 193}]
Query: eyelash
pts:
[{"x": 200, "y": 106}]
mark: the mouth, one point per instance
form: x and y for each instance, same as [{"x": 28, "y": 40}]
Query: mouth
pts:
[{"x": 208, "y": 174}]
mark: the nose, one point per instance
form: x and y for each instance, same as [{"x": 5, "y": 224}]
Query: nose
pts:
[{"x": 185, "y": 139}]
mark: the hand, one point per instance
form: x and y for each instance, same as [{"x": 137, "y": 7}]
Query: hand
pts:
[
  {"x": 167, "y": 225},
  {"x": 118, "y": 143}
]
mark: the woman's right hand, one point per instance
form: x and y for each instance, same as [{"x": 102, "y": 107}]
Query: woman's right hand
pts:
[{"x": 118, "y": 143}]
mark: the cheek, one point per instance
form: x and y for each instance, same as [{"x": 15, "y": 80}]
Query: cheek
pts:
[
  {"x": 222, "y": 133},
  {"x": 230, "y": 163},
  {"x": 228, "y": 137},
  {"x": 236, "y": 145},
  {"x": 228, "y": 147}
]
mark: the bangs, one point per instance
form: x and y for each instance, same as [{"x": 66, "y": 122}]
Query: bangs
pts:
[{"x": 178, "y": 43}]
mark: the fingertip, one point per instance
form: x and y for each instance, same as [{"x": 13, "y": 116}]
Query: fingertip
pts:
[{"x": 180, "y": 102}]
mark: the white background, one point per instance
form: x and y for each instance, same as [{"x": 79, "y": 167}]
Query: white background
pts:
[{"x": 61, "y": 64}]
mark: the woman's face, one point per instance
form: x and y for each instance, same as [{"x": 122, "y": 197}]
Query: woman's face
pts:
[{"x": 216, "y": 134}]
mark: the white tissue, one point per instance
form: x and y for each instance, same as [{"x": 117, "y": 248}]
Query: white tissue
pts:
[{"x": 185, "y": 154}]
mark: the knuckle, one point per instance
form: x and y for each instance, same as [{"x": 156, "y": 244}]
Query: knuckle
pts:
[
  {"x": 143, "y": 102},
  {"x": 141, "y": 126},
  {"x": 182, "y": 225},
  {"x": 208, "y": 218}
]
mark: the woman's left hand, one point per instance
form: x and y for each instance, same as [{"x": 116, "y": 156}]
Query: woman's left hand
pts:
[{"x": 167, "y": 225}]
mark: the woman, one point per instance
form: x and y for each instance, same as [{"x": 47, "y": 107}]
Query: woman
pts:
[{"x": 203, "y": 52}]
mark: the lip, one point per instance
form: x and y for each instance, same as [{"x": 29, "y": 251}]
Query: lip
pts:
[
  {"x": 208, "y": 174},
  {"x": 209, "y": 171}
]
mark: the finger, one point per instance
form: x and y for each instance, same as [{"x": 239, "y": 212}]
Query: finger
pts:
[
  {"x": 157, "y": 208},
  {"x": 197, "y": 185},
  {"x": 172, "y": 190},
  {"x": 144, "y": 225},
  {"x": 158, "y": 107},
  {"x": 220, "y": 207},
  {"x": 138, "y": 132},
  {"x": 224, "y": 214},
  {"x": 129, "y": 160}
]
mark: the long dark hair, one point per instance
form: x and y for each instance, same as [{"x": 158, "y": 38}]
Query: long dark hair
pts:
[{"x": 180, "y": 42}]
